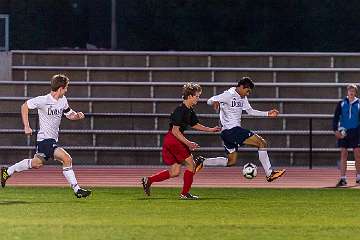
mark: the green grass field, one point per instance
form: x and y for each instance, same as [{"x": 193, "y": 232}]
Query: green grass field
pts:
[{"x": 125, "y": 213}]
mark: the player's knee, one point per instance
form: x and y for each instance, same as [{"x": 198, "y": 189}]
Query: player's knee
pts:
[
  {"x": 67, "y": 161},
  {"x": 174, "y": 172},
  {"x": 262, "y": 143}
]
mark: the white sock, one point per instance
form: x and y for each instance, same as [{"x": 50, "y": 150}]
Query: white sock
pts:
[
  {"x": 265, "y": 162},
  {"x": 70, "y": 177},
  {"x": 217, "y": 161},
  {"x": 19, "y": 166}
]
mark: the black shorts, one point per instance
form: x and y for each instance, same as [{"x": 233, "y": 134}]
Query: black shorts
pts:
[
  {"x": 234, "y": 137},
  {"x": 46, "y": 147},
  {"x": 351, "y": 140}
]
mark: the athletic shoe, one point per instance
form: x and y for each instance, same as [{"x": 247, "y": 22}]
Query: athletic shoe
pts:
[
  {"x": 82, "y": 193},
  {"x": 199, "y": 163},
  {"x": 188, "y": 196},
  {"x": 146, "y": 185},
  {"x": 4, "y": 176},
  {"x": 358, "y": 181},
  {"x": 342, "y": 183},
  {"x": 275, "y": 174}
]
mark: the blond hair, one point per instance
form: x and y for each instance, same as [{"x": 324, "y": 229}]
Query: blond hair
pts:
[{"x": 190, "y": 89}]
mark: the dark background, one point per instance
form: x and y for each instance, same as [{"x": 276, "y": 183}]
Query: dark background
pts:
[{"x": 186, "y": 25}]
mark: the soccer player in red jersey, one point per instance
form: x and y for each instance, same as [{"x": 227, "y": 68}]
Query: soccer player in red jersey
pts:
[{"x": 176, "y": 149}]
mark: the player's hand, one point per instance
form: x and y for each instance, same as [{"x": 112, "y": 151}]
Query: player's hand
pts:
[
  {"x": 80, "y": 115},
  {"x": 273, "y": 113},
  {"x": 215, "y": 129},
  {"x": 28, "y": 130},
  {"x": 193, "y": 145},
  {"x": 216, "y": 105},
  {"x": 338, "y": 135}
]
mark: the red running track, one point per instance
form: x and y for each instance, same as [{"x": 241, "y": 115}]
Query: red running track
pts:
[{"x": 129, "y": 176}]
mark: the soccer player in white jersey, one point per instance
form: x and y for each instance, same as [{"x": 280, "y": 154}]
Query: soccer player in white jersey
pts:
[
  {"x": 231, "y": 104},
  {"x": 50, "y": 109}
]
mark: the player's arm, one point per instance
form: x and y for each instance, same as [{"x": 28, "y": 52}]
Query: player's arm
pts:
[
  {"x": 217, "y": 99},
  {"x": 72, "y": 115},
  {"x": 25, "y": 118},
  {"x": 201, "y": 127},
  {"x": 176, "y": 132},
  {"x": 271, "y": 113},
  {"x": 195, "y": 124},
  {"x": 253, "y": 112}
]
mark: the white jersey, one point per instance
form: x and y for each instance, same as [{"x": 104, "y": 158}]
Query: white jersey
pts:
[
  {"x": 231, "y": 107},
  {"x": 50, "y": 112}
]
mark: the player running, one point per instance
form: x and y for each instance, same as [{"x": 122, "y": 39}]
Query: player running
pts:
[
  {"x": 231, "y": 104},
  {"x": 176, "y": 149},
  {"x": 50, "y": 108}
]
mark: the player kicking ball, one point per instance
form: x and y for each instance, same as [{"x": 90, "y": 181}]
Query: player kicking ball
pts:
[
  {"x": 176, "y": 149},
  {"x": 50, "y": 108},
  {"x": 231, "y": 104}
]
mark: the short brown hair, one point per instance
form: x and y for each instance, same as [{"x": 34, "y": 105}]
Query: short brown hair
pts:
[
  {"x": 352, "y": 86},
  {"x": 190, "y": 89},
  {"x": 58, "y": 81}
]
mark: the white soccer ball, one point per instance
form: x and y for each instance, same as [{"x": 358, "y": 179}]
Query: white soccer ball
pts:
[
  {"x": 249, "y": 170},
  {"x": 342, "y": 131}
]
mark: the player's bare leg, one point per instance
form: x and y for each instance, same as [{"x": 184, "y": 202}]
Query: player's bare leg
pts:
[
  {"x": 62, "y": 156},
  {"x": 232, "y": 158},
  {"x": 188, "y": 179},
  {"x": 260, "y": 143}
]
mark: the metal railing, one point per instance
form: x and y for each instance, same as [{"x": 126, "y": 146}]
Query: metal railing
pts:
[
  {"x": 94, "y": 132},
  {"x": 168, "y": 83}
]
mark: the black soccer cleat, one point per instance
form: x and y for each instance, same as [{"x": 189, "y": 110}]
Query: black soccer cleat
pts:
[
  {"x": 4, "y": 176},
  {"x": 342, "y": 183},
  {"x": 188, "y": 196},
  {"x": 357, "y": 181},
  {"x": 82, "y": 193},
  {"x": 146, "y": 185},
  {"x": 275, "y": 174},
  {"x": 199, "y": 163}
]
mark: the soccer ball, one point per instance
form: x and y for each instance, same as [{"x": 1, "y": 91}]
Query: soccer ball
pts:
[
  {"x": 342, "y": 131},
  {"x": 249, "y": 170}
]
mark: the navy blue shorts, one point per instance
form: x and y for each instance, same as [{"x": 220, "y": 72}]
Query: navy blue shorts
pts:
[
  {"x": 234, "y": 138},
  {"x": 351, "y": 140},
  {"x": 46, "y": 147}
]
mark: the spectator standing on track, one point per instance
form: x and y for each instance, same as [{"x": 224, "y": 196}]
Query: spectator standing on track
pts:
[{"x": 346, "y": 127}]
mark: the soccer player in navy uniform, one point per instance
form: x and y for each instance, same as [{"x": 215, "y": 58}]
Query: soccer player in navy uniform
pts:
[
  {"x": 346, "y": 129},
  {"x": 50, "y": 109},
  {"x": 231, "y": 103},
  {"x": 176, "y": 149}
]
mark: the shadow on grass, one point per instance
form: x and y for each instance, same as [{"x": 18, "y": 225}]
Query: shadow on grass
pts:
[
  {"x": 151, "y": 199},
  {"x": 183, "y": 200},
  {"x": 17, "y": 202},
  {"x": 13, "y": 202}
]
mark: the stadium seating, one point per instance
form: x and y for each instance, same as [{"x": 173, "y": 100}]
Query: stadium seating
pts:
[{"x": 139, "y": 89}]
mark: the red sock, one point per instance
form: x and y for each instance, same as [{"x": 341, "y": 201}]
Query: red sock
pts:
[
  {"x": 188, "y": 180},
  {"x": 160, "y": 176}
]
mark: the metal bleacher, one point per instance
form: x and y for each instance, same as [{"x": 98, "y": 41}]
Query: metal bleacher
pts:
[{"x": 128, "y": 96}]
